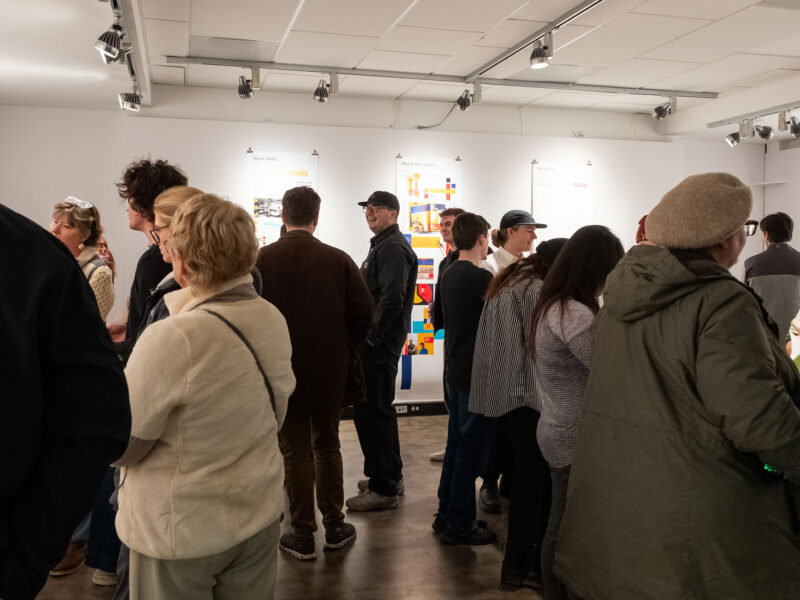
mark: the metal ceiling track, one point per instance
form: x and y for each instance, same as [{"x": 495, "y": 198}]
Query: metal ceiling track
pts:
[
  {"x": 755, "y": 115},
  {"x": 552, "y": 85}
]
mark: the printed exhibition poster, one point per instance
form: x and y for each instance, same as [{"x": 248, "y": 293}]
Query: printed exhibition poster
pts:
[
  {"x": 268, "y": 176},
  {"x": 561, "y": 196},
  {"x": 424, "y": 187}
]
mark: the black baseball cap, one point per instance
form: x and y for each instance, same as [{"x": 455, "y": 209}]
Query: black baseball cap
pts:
[
  {"x": 387, "y": 199},
  {"x": 518, "y": 217}
]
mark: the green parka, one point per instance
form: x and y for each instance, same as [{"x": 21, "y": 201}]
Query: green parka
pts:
[{"x": 689, "y": 393}]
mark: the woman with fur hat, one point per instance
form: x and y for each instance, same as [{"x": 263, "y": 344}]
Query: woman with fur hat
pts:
[{"x": 689, "y": 451}]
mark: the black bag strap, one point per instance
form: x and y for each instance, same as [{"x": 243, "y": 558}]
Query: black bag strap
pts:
[
  {"x": 97, "y": 261},
  {"x": 252, "y": 351}
]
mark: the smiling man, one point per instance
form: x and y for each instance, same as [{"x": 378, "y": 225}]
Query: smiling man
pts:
[{"x": 390, "y": 271}]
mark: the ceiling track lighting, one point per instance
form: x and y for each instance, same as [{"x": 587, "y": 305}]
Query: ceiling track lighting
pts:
[
  {"x": 794, "y": 127},
  {"x": 464, "y": 101},
  {"x": 765, "y": 132},
  {"x": 321, "y": 94},
  {"x": 109, "y": 44},
  {"x": 130, "y": 100},
  {"x": 124, "y": 50},
  {"x": 542, "y": 52},
  {"x": 245, "y": 88},
  {"x": 733, "y": 139},
  {"x": 477, "y": 92}
]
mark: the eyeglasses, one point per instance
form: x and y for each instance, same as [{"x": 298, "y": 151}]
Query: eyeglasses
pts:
[
  {"x": 750, "y": 227},
  {"x": 373, "y": 208},
  {"x": 154, "y": 233},
  {"x": 78, "y": 202}
]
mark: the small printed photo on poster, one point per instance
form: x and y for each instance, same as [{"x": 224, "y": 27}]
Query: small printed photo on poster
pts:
[
  {"x": 410, "y": 347},
  {"x": 424, "y": 217},
  {"x": 268, "y": 207},
  {"x": 425, "y": 268},
  {"x": 425, "y": 344}
]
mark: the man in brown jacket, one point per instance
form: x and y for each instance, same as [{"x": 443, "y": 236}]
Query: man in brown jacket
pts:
[{"x": 328, "y": 309}]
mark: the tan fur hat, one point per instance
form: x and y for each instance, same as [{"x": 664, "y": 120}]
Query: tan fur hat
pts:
[{"x": 700, "y": 212}]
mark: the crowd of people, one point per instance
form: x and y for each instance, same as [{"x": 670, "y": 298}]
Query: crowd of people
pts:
[{"x": 639, "y": 410}]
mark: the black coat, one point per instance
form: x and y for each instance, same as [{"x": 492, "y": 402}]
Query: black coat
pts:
[
  {"x": 64, "y": 413},
  {"x": 327, "y": 307}
]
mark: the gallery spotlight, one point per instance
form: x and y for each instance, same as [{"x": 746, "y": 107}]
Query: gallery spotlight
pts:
[
  {"x": 321, "y": 94},
  {"x": 542, "y": 52},
  {"x": 733, "y": 139},
  {"x": 765, "y": 132},
  {"x": 110, "y": 41},
  {"x": 464, "y": 101},
  {"x": 130, "y": 101},
  {"x": 794, "y": 127},
  {"x": 245, "y": 88},
  {"x": 662, "y": 110}
]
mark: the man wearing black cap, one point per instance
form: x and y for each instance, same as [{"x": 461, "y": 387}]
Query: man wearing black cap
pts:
[{"x": 390, "y": 271}]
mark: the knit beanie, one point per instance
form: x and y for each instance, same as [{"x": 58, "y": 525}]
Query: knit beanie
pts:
[{"x": 700, "y": 212}]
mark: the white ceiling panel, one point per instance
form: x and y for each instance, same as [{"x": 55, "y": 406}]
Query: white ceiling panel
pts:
[
  {"x": 695, "y": 9},
  {"x": 165, "y": 38},
  {"x": 210, "y": 76},
  {"x": 403, "y": 61},
  {"x": 427, "y": 41},
  {"x": 217, "y": 47},
  {"x": 466, "y": 15},
  {"x": 330, "y": 50},
  {"x": 468, "y": 60},
  {"x": 381, "y": 87},
  {"x": 637, "y": 72},
  {"x": 242, "y": 19},
  {"x": 573, "y": 99},
  {"x": 544, "y": 10},
  {"x": 612, "y": 106},
  {"x": 788, "y": 45},
  {"x": 767, "y": 78},
  {"x": 513, "y": 95},
  {"x": 608, "y": 10},
  {"x": 508, "y": 33},
  {"x": 350, "y": 17},
  {"x": 624, "y": 38},
  {"x": 436, "y": 91},
  {"x": 724, "y": 72},
  {"x": 168, "y": 10},
  {"x": 558, "y": 73},
  {"x": 166, "y": 75},
  {"x": 730, "y": 35}
]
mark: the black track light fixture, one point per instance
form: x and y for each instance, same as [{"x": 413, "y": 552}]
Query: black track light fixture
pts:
[
  {"x": 733, "y": 139},
  {"x": 794, "y": 127},
  {"x": 464, "y": 101},
  {"x": 765, "y": 132},
  {"x": 109, "y": 44},
  {"x": 130, "y": 101},
  {"x": 322, "y": 92},
  {"x": 245, "y": 88}
]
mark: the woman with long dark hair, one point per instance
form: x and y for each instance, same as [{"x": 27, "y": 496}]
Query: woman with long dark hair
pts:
[
  {"x": 505, "y": 384},
  {"x": 561, "y": 344}
]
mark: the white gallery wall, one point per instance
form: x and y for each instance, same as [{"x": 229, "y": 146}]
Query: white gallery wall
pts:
[{"x": 49, "y": 153}]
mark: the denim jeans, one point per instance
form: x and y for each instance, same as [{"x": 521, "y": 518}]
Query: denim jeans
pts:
[
  {"x": 464, "y": 459},
  {"x": 376, "y": 421},
  {"x": 103, "y": 547},
  {"x": 554, "y": 588}
]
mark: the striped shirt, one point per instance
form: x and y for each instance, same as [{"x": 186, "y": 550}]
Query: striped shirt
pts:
[
  {"x": 563, "y": 355},
  {"x": 504, "y": 376}
]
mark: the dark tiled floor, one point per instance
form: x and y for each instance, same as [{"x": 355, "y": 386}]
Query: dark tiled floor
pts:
[{"x": 395, "y": 557}]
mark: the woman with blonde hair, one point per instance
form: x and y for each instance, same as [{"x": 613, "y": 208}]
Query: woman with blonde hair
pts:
[
  {"x": 76, "y": 223},
  {"x": 203, "y": 485}
]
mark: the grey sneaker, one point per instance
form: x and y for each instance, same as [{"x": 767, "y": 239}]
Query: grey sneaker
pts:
[
  {"x": 437, "y": 456},
  {"x": 369, "y": 500},
  {"x": 339, "y": 536},
  {"x": 363, "y": 485},
  {"x": 298, "y": 545}
]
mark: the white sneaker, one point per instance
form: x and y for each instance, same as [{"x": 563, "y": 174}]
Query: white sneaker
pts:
[
  {"x": 437, "y": 456},
  {"x": 369, "y": 500},
  {"x": 363, "y": 486},
  {"x": 104, "y": 578}
]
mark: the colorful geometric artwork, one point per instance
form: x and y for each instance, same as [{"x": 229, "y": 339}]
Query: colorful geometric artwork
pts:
[
  {"x": 425, "y": 268},
  {"x": 439, "y": 335},
  {"x": 423, "y": 218},
  {"x": 422, "y": 241},
  {"x": 423, "y": 293},
  {"x": 420, "y": 344},
  {"x": 448, "y": 190}
]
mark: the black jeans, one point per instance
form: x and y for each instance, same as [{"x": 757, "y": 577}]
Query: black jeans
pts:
[
  {"x": 103, "y": 547},
  {"x": 376, "y": 421},
  {"x": 554, "y": 588},
  {"x": 529, "y": 506}
]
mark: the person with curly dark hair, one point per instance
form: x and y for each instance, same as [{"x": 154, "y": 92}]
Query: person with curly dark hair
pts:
[{"x": 142, "y": 181}]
